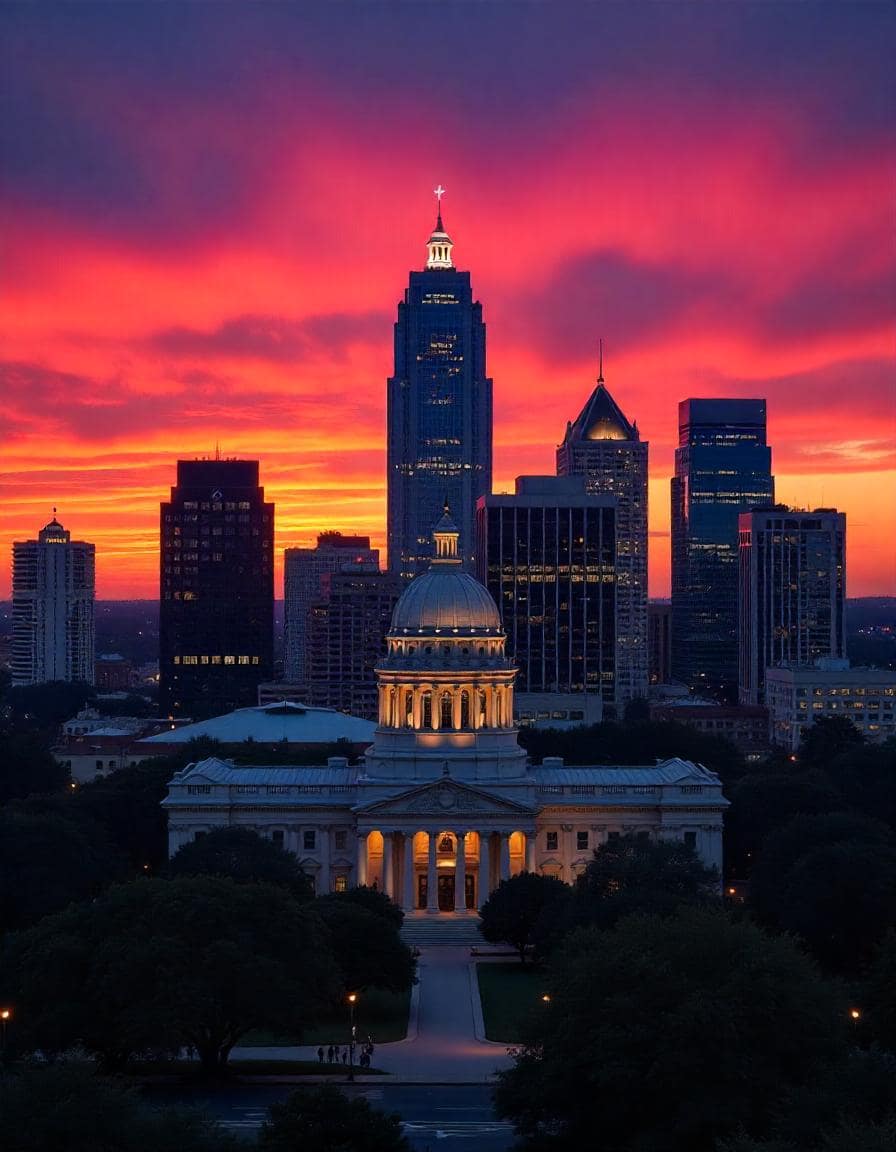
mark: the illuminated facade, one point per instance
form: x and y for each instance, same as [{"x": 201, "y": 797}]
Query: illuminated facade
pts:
[
  {"x": 53, "y": 593},
  {"x": 439, "y": 440},
  {"x": 304, "y": 573},
  {"x": 216, "y": 619},
  {"x": 797, "y": 696},
  {"x": 445, "y": 804},
  {"x": 547, "y": 555},
  {"x": 607, "y": 450},
  {"x": 722, "y": 468},
  {"x": 792, "y": 591}
]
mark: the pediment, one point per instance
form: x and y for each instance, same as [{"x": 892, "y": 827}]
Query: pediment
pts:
[{"x": 445, "y": 797}]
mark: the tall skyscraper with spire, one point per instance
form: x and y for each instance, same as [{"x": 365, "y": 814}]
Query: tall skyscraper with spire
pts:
[
  {"x": 604, "y": 447},
  {"x": 439, "y": 446}
]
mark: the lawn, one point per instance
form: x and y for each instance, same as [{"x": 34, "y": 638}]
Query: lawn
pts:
[
  {"x": 510, "y": 994},
  {"x": 379, "y": 1014}
]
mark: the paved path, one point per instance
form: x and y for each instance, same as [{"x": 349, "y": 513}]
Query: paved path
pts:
[{"x": 444, "y": 1049}]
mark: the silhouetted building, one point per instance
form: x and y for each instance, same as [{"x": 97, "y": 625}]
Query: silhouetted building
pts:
[
  {"x": 303, "y": 570},
  {"x": 216, "y": 622},
  {"x": 745, "y": 727},
  {"x": 112, "y": 672},
  {"x": 547, "y": 556},
  {"x": 792, "y": 590},
  {"x": 607, "y": 450},
  {"x": 659, "y": 642},
  {"x": 347, "y": 628},
  {"x": 439, "y": 444},
  {"x": 53, "y": 590},
  {"x": 722, "y": 468},
  {"x": 797, "y": 696}
]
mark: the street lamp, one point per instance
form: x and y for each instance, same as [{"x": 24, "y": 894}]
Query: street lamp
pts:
[
  {"x": 352, "y": 997},
  {"x": 546, "y": 998},
  {"x": 5, "y": 1017},
  {"x": 855, "y": 1014}
]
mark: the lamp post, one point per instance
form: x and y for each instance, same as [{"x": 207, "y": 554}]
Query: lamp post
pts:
[
  {"x": 5, "y": 1017},
  {"x": 352, "y": 997}
]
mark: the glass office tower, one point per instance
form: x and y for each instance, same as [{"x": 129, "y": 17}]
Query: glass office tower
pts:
[
  {"x": 722, "y": 468},
  {"x": 439, "y": 444}
]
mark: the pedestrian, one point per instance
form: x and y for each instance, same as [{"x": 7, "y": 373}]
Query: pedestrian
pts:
[
  {"x": 345, "y": 1055},
  {"x": 320, "y": 1054},
  {"x": 330, "y": 1054}
]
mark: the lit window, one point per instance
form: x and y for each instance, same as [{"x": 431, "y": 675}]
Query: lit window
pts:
[{"x": 341, "y": 884}]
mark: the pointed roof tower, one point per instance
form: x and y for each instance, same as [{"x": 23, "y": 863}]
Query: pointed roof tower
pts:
[
  {"x": 439, "y": 244},
  {"x": 601, "y": 418}
]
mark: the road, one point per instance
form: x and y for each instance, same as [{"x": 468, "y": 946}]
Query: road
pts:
[{"x": 437, "y": 1118}]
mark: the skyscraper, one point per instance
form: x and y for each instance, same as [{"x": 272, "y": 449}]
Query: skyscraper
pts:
[
  {"x": 607, "y": 450},
  {"x": 53, "y": 593},
  {"x": 347, "y": 626},
  {"x": 547, "y": 556},
  {"x": 303, "y": 571},
  {"x": 792, "y": 590},
  {"x": 722, "y": 468},
  {"x": 216, "y": 623},
  {"x": 439, "y": 446}
]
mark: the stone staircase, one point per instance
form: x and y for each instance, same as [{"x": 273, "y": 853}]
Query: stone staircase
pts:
[{"x": 421, "y": 930}]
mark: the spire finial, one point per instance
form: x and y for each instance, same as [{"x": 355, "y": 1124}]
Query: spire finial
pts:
[
  {"x": 600, "y": 360},
  {"x": 54, "y": 509}
]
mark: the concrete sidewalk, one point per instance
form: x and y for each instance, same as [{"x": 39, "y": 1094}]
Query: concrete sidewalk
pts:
[{"x": 442, "y": 1045}]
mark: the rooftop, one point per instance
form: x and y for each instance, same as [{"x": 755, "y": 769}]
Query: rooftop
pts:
[{"x": 276, "y": 723}]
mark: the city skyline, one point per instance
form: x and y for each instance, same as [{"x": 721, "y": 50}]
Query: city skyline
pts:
[{"x": 194, "y": 261}]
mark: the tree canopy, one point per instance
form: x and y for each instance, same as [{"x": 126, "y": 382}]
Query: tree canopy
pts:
[
  {"x": 326, "y": 1120},
  {"x": 373, "y": 901},
  {"x": 70, "y": 1110},
  {"x": 196, "y": 960},
  {"x": 671, "y": 1033},
  {"x": 244, "y": 856},
  {"x": 368, "y": 949},
  {"x": 514, "y": 909}
]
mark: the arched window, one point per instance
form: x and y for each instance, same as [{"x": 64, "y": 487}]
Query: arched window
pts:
[
  {"x": 445, "y": 709},
  {"x": 465, "y": 709},
  {"x": 481, "y": 708},
  {"x": 408, "y": 697},
  {"x": 426, "y": 700}
]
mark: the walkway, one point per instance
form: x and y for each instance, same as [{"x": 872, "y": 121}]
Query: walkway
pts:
[{"x": 442, "y": 1048}]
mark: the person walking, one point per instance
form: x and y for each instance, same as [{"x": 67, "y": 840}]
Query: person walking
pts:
[
  {"x": 320, "y": 1055},
  {"x": 345, "y": 1055},
  {"x": 330, "y": 1054}
]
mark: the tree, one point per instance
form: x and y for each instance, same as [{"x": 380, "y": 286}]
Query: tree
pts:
[
  {"x": 368, "y": 950},
  {"x": 48, "y": 859},
  {"x": 46, "y": 706},
  {"x": 673, "y": 1032},
  {"x": 27, "y": 766},
  {"x": 70, "y": 1110},
  {"x": 512, "y": 912},
  {"x": 327, "y": 1120},
  {"x": 243, "y": 856},
  {"x": 628, "y": 875},
  {"x": 197, "y": 960},
  {"x": 827, "y": 737},
  {"x": 831, "y": 879},
  {"x": 879, "y": 993},
  {"x": 373, "y": 901}
]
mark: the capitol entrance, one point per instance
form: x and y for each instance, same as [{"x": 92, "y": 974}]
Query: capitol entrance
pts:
[{"x": 446, "y": 892}]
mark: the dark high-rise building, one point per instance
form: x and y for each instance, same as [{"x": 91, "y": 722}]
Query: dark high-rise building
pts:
[
  {"x": 346, "y": 638},
  {"x": 722, "y": 468},
  {"x": 303, "y": 571},
  {"x": 792, "y": 589},
  {"x": 53, "y": 632},
  {"x": 216, "y": 623},
  {"x": 659, "y": 642},
  {"x": 607, "y": 450},
  {"x": 439, "y": 445},
  {"x": 547, "y": 555}
]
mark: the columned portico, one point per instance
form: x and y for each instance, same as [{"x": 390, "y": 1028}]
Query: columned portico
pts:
[
  {"x": 361, "y": 866},
  {"x": 432, "y": 876},
  {"x": 389, "y": 864},
  {"x": 460, "y": 874},
  {"x": 504, "y": 856}
]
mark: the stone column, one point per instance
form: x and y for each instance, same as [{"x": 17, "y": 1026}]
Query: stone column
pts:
[
  {"x": 455, "y": 709},
  {"x": 530, "y": 851},
  {"x": 410, "y": 894},
  {"x": 361, "y": 867},
  {"x": 460, "y": 874},
  {"x": 432, "y": 877},
  {"x": 566, "y": 852},
  {"x": 326, "y": 884},
  {"x": 389, "y": 864},
  {"x": 416, "y": 708},
  {"x": 505, "y": 856},
  {"x": 485, "y": 867}
]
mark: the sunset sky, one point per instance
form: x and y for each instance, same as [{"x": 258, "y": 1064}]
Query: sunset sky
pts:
[{"x": 209, "y": 212}]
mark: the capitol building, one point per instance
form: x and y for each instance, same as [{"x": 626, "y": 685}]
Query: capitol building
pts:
[{"x": 444, "y": 804}]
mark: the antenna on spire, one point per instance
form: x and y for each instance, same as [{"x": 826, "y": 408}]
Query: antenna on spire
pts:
[
  {"x": 600, "y": 360},
  {"x": 54, "y": 509},
  {"x": 217, "y": 450}
]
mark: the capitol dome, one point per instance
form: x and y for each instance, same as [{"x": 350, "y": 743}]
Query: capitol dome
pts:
[{"x": 445, "y": 599}]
